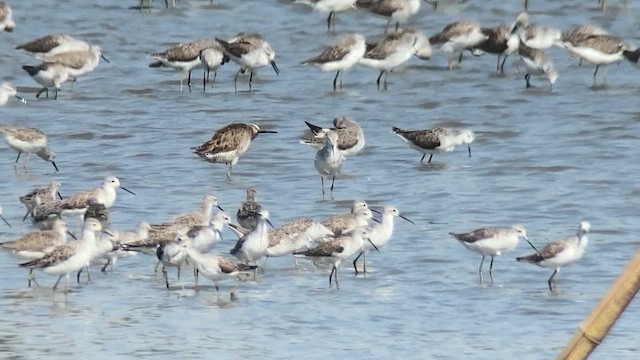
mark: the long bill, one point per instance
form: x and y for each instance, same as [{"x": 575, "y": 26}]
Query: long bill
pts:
[
  {"x": 534, "y": 248},
  {"x": 127, "y": 190},
  {"x": 275, "y": 67},
  {"x": 407, "y": 219},
  {"x": 5, "y": 220}
]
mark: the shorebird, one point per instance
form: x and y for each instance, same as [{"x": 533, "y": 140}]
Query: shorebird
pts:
[
  {"x": 213, "y": 267},
  {"x": 28, "y": 140},
  {"x": 77, "y": 62},
  {"x": 329, "y": 160},
  {"x": 396, "y": 49},
  {"x": 296, "y": 235},
  {"x": 599, "y": 50},
  {"x": 379, "y": 234},
  {"x": 183, "y": 57},
  {"x": 535, "y": 36},
  {"x": 78, "y": 203},
  {"x": 330, "y": 6},
  {"x": 36, "y": 244},
  {"x": 212, "y": 58},
  {"x": 398, "y": 10},
  {"x": 561, "y": 252},
  {"x": 47, "y": 44},
  {"x": 435, "y": 141},
  {"x": 339, "y": 249},
  {"x": 492, "y": 241},
  {"x": 99, "y": 212},
  {"x": 248, "y": 211},
  {"x": 70, "y": 257},
  {"x": 141, "y": 233},
  {"x": 340, "y": 57},
  {"x": 253, "y": 246},
  {"x": 344, "y": 223},
  {"x": 48, "y": 75},
  {"x": 457, "y": 37},
  {"x": 228, "y": 144},
  {"x": 205, "y": 237},
  {"x": 580, "y": 33},
  {"x": 41, "y": 196},
  {"x": 172, "y": 254},
  {"x": 350, "y": 136},
  {"x": 500, "y": 42},
  {"x": 3, "y": 219},
  {"x": 250, "y": 51},
  {"x": 7, "y": 90},
  {"x": 537, "y": 62},
  {"x": 6, "y": 19}
]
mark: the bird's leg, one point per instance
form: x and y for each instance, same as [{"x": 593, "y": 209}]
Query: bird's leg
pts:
[
  {"x": 55, "y": 97},
  {"x": 331, "y": 274},
  {"x": 594, "y": 74},
  {"x": 329, "y": 21},
  {"x": 166, "y": 278},
  {"x": 88, "y": 275},
  {"x": 341, "y": 81},
  {"x": 78, "y": 275},
  {"x": 155, "y": 270},
  {"x": 379, "y": 77},
  {"x": 215, "y": 73},
  {"x": 386, "y": 74},
  {"x": 364, "y": 268},
  {"x": 386, "y": 27},
  {"x": 550, "y": 281},
  {"x": 322, "y": 181},
  {"x": 430, "y": 157},
  {"x": 336, "y": 276},
  {"x": 502, "y": 66},
  {"x": 25, "y": 164},
  {"x": 335, "y": 79},
  {"x": 229, "y": 172},
  {"x": 460, "y": 58},
  {"x": 104, "y": 268},
  {"x": 73, "y": 82},
  {"x": 41, "y": 91},
  {"x": 178, "y": 273},
  {"x": 66, "y": 287},
  {"x": 30, "y": 277},
  {"x": 423, "y": 155},
  {"x": 333, "y": 180},
  {"x": 196, "y": 272},
  {"x": 189, "y": 80},
  {"x": 355, "y": 261},
  {"x": 498, "y": 65},
  {"x": 15, "y": 164},
  {"x": 526, "y": 78},
  {"x": 491, "y": 270},
  {"x": 480, "y": 270},
  {"x": 250, "y": 80},
  {"x": 205, "y": 77}
]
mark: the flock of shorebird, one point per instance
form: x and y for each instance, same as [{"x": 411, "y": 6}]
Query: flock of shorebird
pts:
[{"x": 187, "y": 239}]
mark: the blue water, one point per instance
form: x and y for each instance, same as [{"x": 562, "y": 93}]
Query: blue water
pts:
[{"x": 544, "y": 159}]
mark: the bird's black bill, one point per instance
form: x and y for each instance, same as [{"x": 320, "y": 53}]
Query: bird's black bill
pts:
[
  {"x": 534, "y": 248},
  {"x": 270, "y": 224},
  {"x": 60, "y": 196},
  {"x": 375, "y": 211},
  {"x": 22, "y": 100},
  {"x": 127, "y": 190},
  {"x": 5, "y": 221},
  {"x": 218, "y": 206},
  {"x": 374, "y": 245},
  {"x": 376, "y": 220},
  {"x": 55, "y": 166},
  {"x": 71, "y": 234},
  {"x": 407, "y": 219},
  {"x": 267, "y": 132},
  {"x": 105, "y": 59},
  {"x": 275, "y": 67}
]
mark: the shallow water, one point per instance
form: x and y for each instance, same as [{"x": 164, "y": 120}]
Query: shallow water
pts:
[{"x": 544, "y": 159}]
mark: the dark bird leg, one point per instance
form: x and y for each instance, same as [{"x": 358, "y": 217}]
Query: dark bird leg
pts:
[
  {"x": 355, "y": 261},
  {"x": 331, "y": 14},
  {"x": 397, "y": 25},
  {"x": 56, "y": 95},
  {"x": 189, "y": 81},
  {"x": 104, "y": 268},
  {"x": 78, "y": 275},
  {"x": 322, "y": 181},
  {"x": 30, "y": 277},
  {"x": 386, "y": 74},
  {"x": 250, "y": 80},
  {"x": 469, "y": 147},
  {"x": 594, "y": 74},
  {"x": 550, "y": 281},
  {"x": 491, "y": 270},
  {"x": 423, "y": 155},
  {"x": 166, "y": 278},
  {"x": 335, "y": 79},
  {"x": 331, "y": 274},
  {"x": 526, "y": 78},
  {"x": 498, "y": 64},
  {"x": 502, "y": 66},
  {"x": 41, "y": 91},
  {"x": 460, "y": 58},
  {"x": 379, "y": 77},
  {"x": 15, "y": 164},
  {"x": 430, "y": 157},
  {"x": 215, "y": 73},
  {"x": 205, "y": 78},
  {"x": 333, "y": 180},
  {"x": 235, "y": 81},
  {"x": 480, "y": 271}
]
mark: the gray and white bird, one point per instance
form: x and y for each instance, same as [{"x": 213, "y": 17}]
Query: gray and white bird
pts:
[
  {"x": 329, "y": 159},
  {"x": 350, "y": 136}
]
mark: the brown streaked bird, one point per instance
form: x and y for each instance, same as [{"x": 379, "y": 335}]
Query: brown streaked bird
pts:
[
  {"x": 340, "y": 56},
  {"x": 28, "y": 140},
  {"x": 350, "y": 135},
  {"x": 435, "y": 141},
  {"x": 6, "y": 19},
  {"x": 183, "y": 57},
  {"x": 250, "y": 51},
  {"x": 345, "y": 223},
  {"x": 248, "y": 211},
  {"x": 457, "y": 37},
  {"x": 398, "y": 10},
  {"x": 229, "y": 143},
  {"x": 40, "y": 196},
  {"x": 498, "y": 42}
]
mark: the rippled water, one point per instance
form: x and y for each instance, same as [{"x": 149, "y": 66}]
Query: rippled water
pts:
[{"x": 545, "y": 159}]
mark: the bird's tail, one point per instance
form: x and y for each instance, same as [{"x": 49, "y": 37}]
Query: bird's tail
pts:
[{"x": 533, "y": 258}]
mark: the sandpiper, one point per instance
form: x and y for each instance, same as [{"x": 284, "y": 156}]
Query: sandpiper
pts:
[
  {"x": 49, "y": 42},
  {"x": 561, "y": 252},
  {"x": 492, "y": 241},
  {"x": 344, "y": 223},
  {"x": 212, "y": 58},
  {"x": 6, "y": 19},
  {"x": 77, "y": 62},
  {"x": 250, "y": 51},
  {"x": 457, "y": 37},
  {"x": 398, "y": 10},
  {"x": 330, "y": 6},
  {"x": 329, "y": 160},
  {"x": 340, "y": 57},
  {"x": 599, "y": 50},
  {"x": 350, "y": 135},
  {"x": 228, "y": 144},
  {"x": 28, "y": 140},
  {"x": 78, "y": 203},
  {"x": 435, "y": 141},
  {"x": 499, "y": 42},
  {"x": 48, "y": 75},
  {"x": 253, "y": 246},
  {"x": 296, "y": 235},
  {"x": 248, "y": 211},
  {"x": 41, "y": 196},
  {"x": 7, "y": 90}
]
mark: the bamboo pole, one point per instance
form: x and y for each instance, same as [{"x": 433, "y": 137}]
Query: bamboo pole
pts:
[{"x": 595, "y": 327}]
